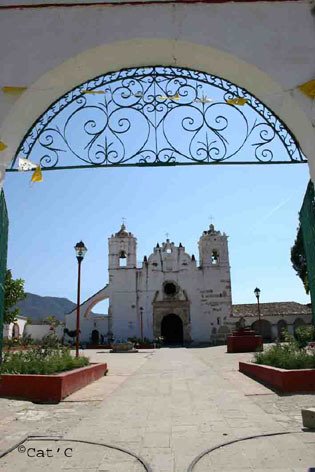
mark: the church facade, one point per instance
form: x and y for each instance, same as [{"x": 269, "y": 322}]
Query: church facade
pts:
[{"x": 171, "y": 295}]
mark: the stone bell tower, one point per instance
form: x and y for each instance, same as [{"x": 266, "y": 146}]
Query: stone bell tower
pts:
[
  {"x": 213, "y": 249},
  {"x": 122, "y": 250}
]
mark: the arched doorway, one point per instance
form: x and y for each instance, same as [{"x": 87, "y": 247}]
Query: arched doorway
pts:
[
  {"x": 172, "y": 329},
  {"x": 95, "y": 336},
  {"x": 263, "y": 327},
  {"x": 15, "y": 331},
  {"x": 297, "y": 323},
  {"x": 281, "y": 326}
]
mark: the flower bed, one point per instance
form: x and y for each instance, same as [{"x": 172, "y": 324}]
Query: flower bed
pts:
[
  {"x": 46, "y": 373},
  {"x": 288, "y": 367},
  {"x": 283, "y": 380},
  {"x": 49, "y": 388}
]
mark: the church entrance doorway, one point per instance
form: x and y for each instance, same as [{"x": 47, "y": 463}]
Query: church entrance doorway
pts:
[{"x": 172, "y": 329}]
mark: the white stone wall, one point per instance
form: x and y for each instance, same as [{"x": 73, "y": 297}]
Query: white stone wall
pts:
[
  {"x": 8, "y": 328},
  {"x": 38, "y": 332}
]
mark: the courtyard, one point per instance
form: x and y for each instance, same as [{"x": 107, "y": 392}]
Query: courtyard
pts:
[{"x": 167, "y": 407}]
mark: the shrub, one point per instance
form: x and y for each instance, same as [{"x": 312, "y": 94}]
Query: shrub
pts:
[
  {"x": 304, "y": 335},
  {"x": 286, "y": 356},
  {"x": 40, "y": 361}
]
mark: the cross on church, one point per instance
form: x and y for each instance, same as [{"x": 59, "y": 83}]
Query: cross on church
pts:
[
  {"x": 211, "y": 219},
  {"x": 123, "y": 220},
  {"x": 167, "y": 235}
]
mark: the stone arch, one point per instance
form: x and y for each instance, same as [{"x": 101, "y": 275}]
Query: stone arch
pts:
[
  {"x": 135, "y": 53},
  {"x": 281, "y": 326},
  {"x": 15, "y": 331},
  {"x": 263, "y": 327},
  {"x": 172, "y": 329},
  {"x": 95, "y": 336},
  {"x": 297, "y": 323}
]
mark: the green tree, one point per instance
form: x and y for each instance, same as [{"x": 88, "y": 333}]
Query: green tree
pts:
[
  {"x": 51, "y": 320},
  {"x": 13, "y": 293},
  {"x": 298, "y": 259}
]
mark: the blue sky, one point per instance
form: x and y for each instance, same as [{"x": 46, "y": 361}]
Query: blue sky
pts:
[{"x": 257, "y": 206}]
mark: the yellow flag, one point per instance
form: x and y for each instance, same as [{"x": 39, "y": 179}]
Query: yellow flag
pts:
[
  {"x": 175, "y": 97},
  {"x": 37, "y": 176},
  {"x": 93, "y": 92},
  {"x": 308, "y": 88},
  {"x": 237, "y": 101},
  {"x": 3, "y": 146},
  {"x": 13, "y": 90}
]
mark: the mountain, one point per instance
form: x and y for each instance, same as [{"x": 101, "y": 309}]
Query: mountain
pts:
[{"x": 38, "y": 308}]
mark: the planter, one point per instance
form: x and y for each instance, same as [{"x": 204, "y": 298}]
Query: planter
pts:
[
  {"x": 49, "y": 388},
  {"x": 123, "y": 347},
  {"x": 145, "y": 346},
  {"x": 244, "y": 341},
  {"x": 285, "y": 381},
  {"x": 98, "y": 346}
]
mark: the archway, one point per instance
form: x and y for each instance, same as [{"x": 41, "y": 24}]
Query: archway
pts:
[
  {"x": 95, "y": 336},
  {"x": 174, "y": 99},
  {"x": 172, "y": 329},
  {"x": 281, "y": 327},
  {"x": 297, "y": 323},
  {"x": 15, "y": 331},
  {"x": 263, "y": 327}
]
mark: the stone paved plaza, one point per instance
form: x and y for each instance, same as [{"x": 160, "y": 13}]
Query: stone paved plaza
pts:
[{"x": 166, "y": 406}]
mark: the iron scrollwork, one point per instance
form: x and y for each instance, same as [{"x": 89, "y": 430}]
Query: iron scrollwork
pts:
[{"x": 156, "y": 116}]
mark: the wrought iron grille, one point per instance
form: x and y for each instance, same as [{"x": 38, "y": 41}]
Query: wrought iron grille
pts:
[
  {"x": 158, "y": 116},
  {"x": 307, "y": 220}
]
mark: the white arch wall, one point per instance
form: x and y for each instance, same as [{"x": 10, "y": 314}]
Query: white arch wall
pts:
[{"x": 267, "y": 47}]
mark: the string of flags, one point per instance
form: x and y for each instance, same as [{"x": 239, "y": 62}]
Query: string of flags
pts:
[{"x": 307, "y": 88}]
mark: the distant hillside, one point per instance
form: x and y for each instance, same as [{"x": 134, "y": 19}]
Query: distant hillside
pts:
[{"x": 37, "y": 307}]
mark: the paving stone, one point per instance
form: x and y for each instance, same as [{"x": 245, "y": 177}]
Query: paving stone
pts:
[
  {"x": 168, "y": 406},
  {"x": 308, "y": 417}
]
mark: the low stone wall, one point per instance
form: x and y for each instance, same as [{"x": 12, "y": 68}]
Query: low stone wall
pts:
[
  {"x": 49, "y": 388},
  {"x": 285, "y": 381}
]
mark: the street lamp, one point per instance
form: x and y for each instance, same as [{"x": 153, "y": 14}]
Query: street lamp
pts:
[
  {"x": 80, "y": 251},
  {"x": 257, "y": 293}
]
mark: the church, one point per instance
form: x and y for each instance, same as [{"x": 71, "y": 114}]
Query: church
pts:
[{"x": 172, "y": 295}]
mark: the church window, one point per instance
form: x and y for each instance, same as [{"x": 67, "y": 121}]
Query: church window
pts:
[
  {"x": 122, "y": 259},
  {"x": 214, "y": 256},
  {"x": 218, "y": 321},
  {"x": 170, "y": 288},
  {"x": 169, "y": 250}
]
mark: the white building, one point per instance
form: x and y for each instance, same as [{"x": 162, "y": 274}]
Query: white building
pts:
[
  {"x": 171, "y": 295},
  {"x": 15, "y": 329}
]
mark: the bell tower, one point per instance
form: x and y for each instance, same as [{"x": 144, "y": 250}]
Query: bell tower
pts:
[
  {"x": 213, "y": 249},
  {"x": 122, "y": 250}
]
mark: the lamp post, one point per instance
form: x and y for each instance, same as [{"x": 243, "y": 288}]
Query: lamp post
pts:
[
  {"x": 141, "y": 323},
  {"x": 80, "y": 251},
  {"x": 257, "y": 293}
]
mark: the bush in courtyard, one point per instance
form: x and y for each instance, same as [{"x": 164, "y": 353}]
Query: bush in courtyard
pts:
[
  {"x": 24, "y": 341},
  {"x": 288, "y": 355},
  {"x": 38, "y": 360},
  {"x": 304, "y": 335}
]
